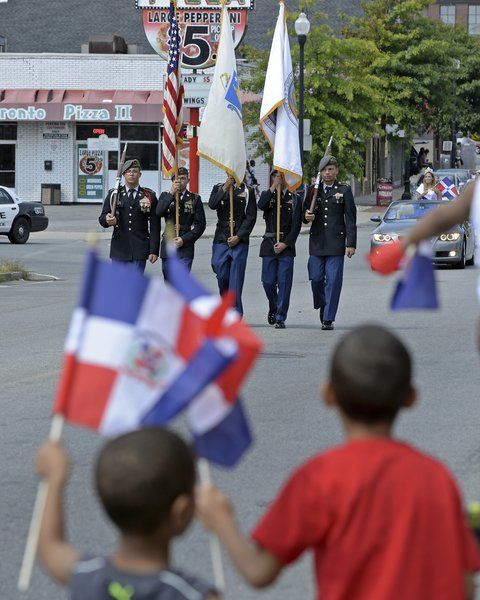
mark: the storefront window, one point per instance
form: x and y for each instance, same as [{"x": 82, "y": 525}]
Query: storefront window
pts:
[
  {"x": 7, "y": 165},
  {"x": 141, "y": 133},
  {"x": 94, "y": 130},
  {"x": 8, "y": 131},
  {"x": 147, "y": 154}
]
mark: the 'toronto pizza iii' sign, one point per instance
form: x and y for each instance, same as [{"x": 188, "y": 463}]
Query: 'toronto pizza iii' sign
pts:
[{"x": 199, "y": 22}]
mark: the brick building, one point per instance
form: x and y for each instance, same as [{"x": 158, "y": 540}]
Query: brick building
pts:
[{"x": 457, "y": 13}]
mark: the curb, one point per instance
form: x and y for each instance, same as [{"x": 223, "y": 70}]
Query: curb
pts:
[{"x": 20, "y": 276}]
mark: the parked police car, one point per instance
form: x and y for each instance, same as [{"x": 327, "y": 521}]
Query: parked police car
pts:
[{"x": 17, "y": 218}]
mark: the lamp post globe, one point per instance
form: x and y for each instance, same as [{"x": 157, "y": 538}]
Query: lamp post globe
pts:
[{"x": 302, "y": 28}]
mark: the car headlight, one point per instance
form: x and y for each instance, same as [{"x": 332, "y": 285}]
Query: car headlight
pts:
[
  {"x": 382, "y": 237},
  {"x": 449, "y": 237}
]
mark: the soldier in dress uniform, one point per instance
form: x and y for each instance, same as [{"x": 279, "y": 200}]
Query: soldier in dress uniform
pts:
[
  {"x": 191, "y": 219},
  {"x": 229, "y": 252},
  {"x": 136, "y": 227},
  {"x": 332, "y": 235},
  {"x": 277, "y": 256}
]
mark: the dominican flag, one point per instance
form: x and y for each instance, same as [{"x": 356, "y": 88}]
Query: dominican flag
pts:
[
  {"x": 139, "y": 351},
  {"x": 417, "y": 288},
  {"x": 448, "y": 188}
]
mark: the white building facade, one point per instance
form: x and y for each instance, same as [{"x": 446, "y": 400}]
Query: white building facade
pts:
[{"x": 51, "y": 104}]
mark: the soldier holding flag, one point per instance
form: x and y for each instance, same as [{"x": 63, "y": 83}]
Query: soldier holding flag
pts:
[{"x": 278, "y": 247}]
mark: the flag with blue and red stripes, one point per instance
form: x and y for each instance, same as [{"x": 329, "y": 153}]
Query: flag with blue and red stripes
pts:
[
  {"x": 448, "y": 188},
  {"x": 172, "y": 97},
  {"x": 140, "y": 351}
]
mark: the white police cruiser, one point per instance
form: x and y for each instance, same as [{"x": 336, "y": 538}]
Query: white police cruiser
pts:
[{"x": 17, "y": 218}]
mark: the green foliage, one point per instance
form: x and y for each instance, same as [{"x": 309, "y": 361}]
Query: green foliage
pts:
[{"x": 392, "y": 65}]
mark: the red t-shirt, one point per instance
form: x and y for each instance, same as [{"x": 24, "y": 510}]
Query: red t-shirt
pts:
[{"x": 384, "y": 521}]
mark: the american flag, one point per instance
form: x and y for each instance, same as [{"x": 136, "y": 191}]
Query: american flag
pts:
[{"x": 172, "y": 97}]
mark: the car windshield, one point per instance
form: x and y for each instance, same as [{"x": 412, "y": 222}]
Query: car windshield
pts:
[{"x": 408, "y": 211}]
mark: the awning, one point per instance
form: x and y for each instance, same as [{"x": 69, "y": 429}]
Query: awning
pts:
[{"x": 82, "y": 105}]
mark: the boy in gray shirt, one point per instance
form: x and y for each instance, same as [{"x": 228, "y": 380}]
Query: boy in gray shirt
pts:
[{"x": 145, "y": 480}]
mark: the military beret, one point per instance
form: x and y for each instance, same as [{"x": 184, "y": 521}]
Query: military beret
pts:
[
  {"x": 326, "y": 161},
  {"x": 131, "y": 164}
]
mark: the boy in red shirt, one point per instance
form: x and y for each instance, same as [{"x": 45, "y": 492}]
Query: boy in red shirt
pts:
[{"x": 384, "y": 521}]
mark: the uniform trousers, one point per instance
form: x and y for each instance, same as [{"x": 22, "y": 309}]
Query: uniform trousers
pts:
[
  {"x": 326, "y": 276},
  {"x": 277, "y": 279},
  {"x": 229, "y": 266},
  {"x": 186, "y": 260},
  {"x": 140, "y": 264}
]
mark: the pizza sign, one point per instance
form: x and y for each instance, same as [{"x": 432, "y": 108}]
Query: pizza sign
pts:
[{"x": 199, "y": 22}]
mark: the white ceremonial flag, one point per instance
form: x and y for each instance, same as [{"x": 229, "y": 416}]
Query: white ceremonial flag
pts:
[
  {"x": 221, "y": 139},
  {"x": 278, "y": 118}
]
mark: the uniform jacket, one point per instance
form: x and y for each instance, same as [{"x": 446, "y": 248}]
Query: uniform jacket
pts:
[
  {"x": 244, "y": 212},
  {"x": 335, "y": 224},
  {"x": 290, "y": 221},
  {"x": 192, "y": 221},
  {"x": 136, "y": 234}
]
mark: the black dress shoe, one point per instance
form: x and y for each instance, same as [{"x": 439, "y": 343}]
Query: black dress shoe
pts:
[
  {"x": 327, "y": 325},
  {"x": 322, "y": 310},
  {"x": 280, "y": 325},
  {"x": 271, "y": 317}
]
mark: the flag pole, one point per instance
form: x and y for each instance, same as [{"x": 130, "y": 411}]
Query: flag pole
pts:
[
  {"x": 177, "y": 200},
  {"x": 30, "y": 551},
  {"x": 215, "y": 550},
  {"x": 279, "y": 208},
  {"x": 231, "y": 210}
]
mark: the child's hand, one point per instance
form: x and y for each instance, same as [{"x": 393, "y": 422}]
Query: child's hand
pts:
[
  {"x": 52, "y": 462},
  {"x": 213, "y": 507}
]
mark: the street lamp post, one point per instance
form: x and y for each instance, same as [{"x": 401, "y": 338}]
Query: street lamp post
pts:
[{"x": 302, "y": 28}]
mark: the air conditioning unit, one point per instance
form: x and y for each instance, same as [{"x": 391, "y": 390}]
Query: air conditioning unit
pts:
[{"x": 107, "y": 44}]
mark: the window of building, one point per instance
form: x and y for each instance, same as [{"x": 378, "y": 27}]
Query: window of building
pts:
[
  {"x": 146, "y": 153},
  {"x": 146, "y": 133},
  {"x": 8, "y": 131},
  {"x": 7, "y": 164},
  {"x": 94, "y": 130},
  {"x": 447, "y": 14},
  {"x": 3, "y": 43},
  {"x": 474, "y": 19}
]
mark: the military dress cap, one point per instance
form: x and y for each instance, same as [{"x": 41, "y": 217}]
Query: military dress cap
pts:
[
  {"x": 131, "y": 164},
  {"x": 326, "y": 161}
]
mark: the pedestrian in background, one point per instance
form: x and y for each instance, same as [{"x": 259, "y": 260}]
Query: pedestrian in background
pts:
[
  {"x": 278, "y": 255},
  {"x": 333, "y": 234},
  {"x": 384, "y": 520},
  {"x": 192, "y": 222},
  {"x": 136, "y": 227},
  {"x": 230, "y": 249}
]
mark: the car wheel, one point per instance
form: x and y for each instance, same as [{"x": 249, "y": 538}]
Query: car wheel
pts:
[
  {"x": 462, "y": 262},
  {"x": 471, "y": 261},
  {"x": 20, "y": 231}
]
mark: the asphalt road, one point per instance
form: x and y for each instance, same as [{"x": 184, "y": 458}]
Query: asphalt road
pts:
[{"x": 288, "y": 419}]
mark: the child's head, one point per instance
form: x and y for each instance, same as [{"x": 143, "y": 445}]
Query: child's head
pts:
[
  {"x": 371, "y": 375},
  {"x": 145, "y": 480}
]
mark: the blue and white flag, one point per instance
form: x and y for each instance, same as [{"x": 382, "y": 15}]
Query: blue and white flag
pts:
[
  {"x": 417, "y": 287},
  {"x": 221, "y": 138}
]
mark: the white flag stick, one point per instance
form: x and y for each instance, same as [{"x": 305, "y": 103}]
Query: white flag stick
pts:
[
  {"x": 215, "y": 550},
  {"x": 38, "y": 509}
]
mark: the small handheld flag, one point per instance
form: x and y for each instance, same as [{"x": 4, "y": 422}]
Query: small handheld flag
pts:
[
  {"x": 417, "y": 287},
  {"x": 448, "y": 188}
]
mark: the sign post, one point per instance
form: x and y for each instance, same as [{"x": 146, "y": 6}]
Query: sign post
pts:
[{"x": 199, "y": 23}]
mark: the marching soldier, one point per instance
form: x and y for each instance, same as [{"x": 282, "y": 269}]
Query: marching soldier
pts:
[
  {"x": 191, "y": 220},
  {"x": 332, "y": 235},
  {"x": 136, "y": 228},
  {"x": 278, "y": 255},
  {"x": 230, "y": 252}
]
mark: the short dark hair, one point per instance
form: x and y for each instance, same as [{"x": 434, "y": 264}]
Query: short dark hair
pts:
[
  {"x": 140, "y": 474},
  {"x": 371, "y": 374}
]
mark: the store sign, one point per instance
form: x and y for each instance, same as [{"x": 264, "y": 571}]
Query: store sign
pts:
[
  {"x": 55, "y": 131},
  {"x": 90, "y": 174},
  {"x": 139, "y": 113},
  {"x": 199, "y": 23}
]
